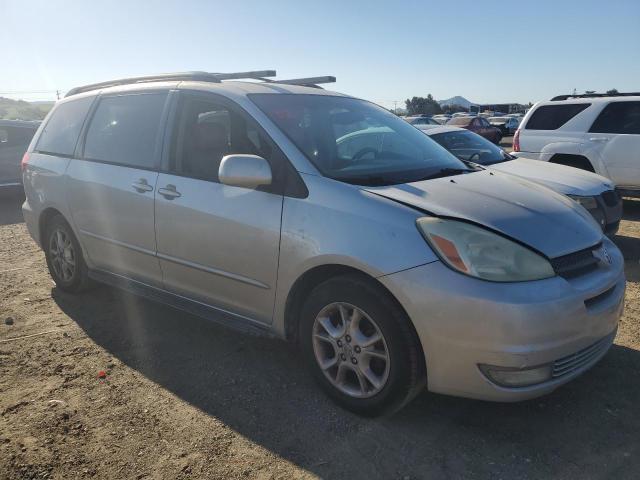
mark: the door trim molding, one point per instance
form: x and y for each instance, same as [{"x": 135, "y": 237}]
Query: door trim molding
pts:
[
  {"x": 179, "y": 261},
  {"x": 214, "y": 271},
  {"x": 119, "y": 243}
]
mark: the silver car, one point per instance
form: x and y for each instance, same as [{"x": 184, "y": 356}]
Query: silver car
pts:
[
  {"x": 393, "y": 264},
  {"x": 594, "y": 192}
]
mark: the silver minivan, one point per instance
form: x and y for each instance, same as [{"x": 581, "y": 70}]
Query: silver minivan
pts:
[{"x": 393, "y": 264}]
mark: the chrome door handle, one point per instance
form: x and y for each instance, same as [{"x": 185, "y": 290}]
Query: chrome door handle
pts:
[
  {"x": 169, "y": 192},
  {"x": 141, "y": 186},
  {"x": 599, "y": 139}
]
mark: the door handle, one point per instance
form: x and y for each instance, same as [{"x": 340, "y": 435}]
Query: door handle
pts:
[
  {"x": 169, "y": 192},
  {"x": 599, "y": 139},
  {"x": 141, "y": 186}
]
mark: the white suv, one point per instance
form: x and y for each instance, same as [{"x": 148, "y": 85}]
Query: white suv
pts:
[{"x": 594, "y": 132}]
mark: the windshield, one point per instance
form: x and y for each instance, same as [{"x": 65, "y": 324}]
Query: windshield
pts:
[
  {"x": 472, "y": 147},
  {"x": 499, "y": 119},
  {"x": 356, "y": 141}
]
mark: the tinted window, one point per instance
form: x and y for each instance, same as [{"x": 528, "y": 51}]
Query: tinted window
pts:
[
  {"x": 471, "y": 146},
  {"x": 355, "y": 141},
  {"x": 618, "y": 117},
  {"x": 550, "y": 117},
  {"x": 124, "y": 130},
  {"x": 60, "y": 134},
  {"x": 206, "y": 132}
]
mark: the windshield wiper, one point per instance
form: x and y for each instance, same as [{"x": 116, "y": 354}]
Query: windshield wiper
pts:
[{"x": 446, "y": 172}]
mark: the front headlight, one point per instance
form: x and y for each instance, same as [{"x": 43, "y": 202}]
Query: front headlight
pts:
[
  {"x": 481, "y": 253},
  {"x": 589, "y": 203}
]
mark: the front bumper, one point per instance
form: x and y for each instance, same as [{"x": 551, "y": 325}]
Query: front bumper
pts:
[{"x": 463, "y": 322}]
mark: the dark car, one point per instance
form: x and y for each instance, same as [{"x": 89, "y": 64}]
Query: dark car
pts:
[
  {"x": 507, "y": 125},
  {"x": 478, "y": 125},
  {"x": 15, "y": 136}
]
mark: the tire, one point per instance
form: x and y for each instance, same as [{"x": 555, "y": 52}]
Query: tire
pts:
[
  {"x": 396, "y": 381},
  {"x": 73, "y": 278}
]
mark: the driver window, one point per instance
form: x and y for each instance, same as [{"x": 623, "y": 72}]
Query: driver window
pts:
[{"x": 205, "y": 133}]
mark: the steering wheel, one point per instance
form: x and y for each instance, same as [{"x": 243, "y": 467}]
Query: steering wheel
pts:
[
  {"x": 362, "y": 152},
  {"x": 474, "y": 154}
]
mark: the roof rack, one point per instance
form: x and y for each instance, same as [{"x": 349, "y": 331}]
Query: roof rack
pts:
[
  {"x": 179, "y": 76},
  {"x": 204, "y": 77},
  {"x": 596, "y": 95}
]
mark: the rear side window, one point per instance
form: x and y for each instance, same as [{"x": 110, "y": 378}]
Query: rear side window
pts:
[
  {"x": 60, "y": 134},
  {"x": 124, "y": 130},
  {"x": 550, "y": 117},
  {"x": 618, "y": 117}
]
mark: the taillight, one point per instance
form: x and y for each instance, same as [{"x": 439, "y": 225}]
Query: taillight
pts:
[
  {"x": 25, "y": 160},
  {"x": 516, "y": 141}
]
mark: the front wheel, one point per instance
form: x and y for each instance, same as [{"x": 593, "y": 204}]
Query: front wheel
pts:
[
  {"x": 361, "y": 347},
  {"x": 64, "y": 257}
]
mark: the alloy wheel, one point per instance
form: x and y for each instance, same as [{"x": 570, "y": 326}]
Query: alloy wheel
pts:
[
  {"x": 351, "y": 350},
  {"x": 63, "y": 255}
]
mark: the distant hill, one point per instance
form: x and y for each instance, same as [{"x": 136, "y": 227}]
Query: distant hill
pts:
[
  {"x": 457, "y": 100},
  {"x": 21, "y": 110}
]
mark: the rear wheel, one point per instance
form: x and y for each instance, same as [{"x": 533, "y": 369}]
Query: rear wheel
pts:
[
  {"x": 64, "y": 257},
  {"x": 361, "y": 346}
]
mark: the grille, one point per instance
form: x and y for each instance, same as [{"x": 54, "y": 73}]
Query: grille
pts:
[
  {"x": 611, "y": 198},
  {"x": 571, "y": 363},
  {"x": 577, "y": 263}
]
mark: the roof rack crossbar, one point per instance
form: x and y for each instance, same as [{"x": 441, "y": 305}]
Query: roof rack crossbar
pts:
[
  {"x": 307, "y": 82},
  {"x": 595, "y": 95},
  {"x": 257, "y": 75}
]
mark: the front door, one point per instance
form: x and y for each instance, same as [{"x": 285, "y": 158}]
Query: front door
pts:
[
  {"x": 217, "y": 244},
  {"x": 111, "y": 188}
]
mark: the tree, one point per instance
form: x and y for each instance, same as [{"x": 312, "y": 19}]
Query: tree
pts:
[
  {"x": 613, "y": 91},
  {"x": 422, "y": 106}
]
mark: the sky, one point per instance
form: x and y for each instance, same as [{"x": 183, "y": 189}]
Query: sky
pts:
[{"x": 384, "y": 51}]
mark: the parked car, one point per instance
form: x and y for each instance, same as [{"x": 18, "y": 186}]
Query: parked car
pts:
[
  {"x": 15, "y": 136},
  {"x": 600, "y": 134},
  {"x": 478, "y": 125},
  {"x": 594, "y": 192},
  {"x": 390, "y": 262},
  {"x": 421, "y": 120},
  {"x": 507, "y": 125},
  {"x": 442, "y": 118}
]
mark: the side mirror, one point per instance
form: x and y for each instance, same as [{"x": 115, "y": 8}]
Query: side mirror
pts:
[{"x": 247, "y": 171}]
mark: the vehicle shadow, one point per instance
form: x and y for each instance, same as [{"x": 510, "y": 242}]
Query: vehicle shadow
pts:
[
  {"x": 10, "y": 207},
  {"x": 258, "y": 387},
  {"x": 631, "y": 210}
]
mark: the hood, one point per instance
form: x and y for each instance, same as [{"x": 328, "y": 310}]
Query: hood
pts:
[
  {"x": 525, "y": 211},
  {"x": 562, "y": 179}
]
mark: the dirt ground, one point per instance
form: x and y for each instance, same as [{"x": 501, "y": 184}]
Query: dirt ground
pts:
[{"x": 183, "y": 398}]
